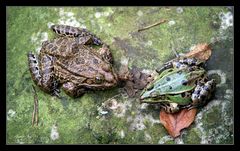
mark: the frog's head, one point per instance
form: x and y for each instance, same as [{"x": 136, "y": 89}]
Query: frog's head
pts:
[
  {"x": 108, "y": 79},
  {"x": 149, "y": 92},
  {"x": 103, "y": 79}
]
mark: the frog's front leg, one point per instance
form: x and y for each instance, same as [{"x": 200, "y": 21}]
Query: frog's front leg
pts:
[
  {"x": 202, "y": 93},
  {"x": 70, "y": 31},
  {"x": 106, "y": 53},
  {"x": 170, "y": 107},
  {"x": 42, "y": 74},
  {"x": 72, "y": 90}
]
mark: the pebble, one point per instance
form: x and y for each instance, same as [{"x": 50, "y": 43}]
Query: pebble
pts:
[
  {"x": 149, "y": 43},
  {"x": 172, "y": 22},
  {"x": 139, "y": 13},
  {"x": 54, "y": 133},
  {"x": 98, "y": 14},
  {"x": 11, "y": 113},
  {"x": 179, "y": 10}
]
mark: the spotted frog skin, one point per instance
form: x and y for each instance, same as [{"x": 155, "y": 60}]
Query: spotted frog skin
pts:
[
  {"x": 70, "y": 61},
  {"x": 182, "y": 83}
]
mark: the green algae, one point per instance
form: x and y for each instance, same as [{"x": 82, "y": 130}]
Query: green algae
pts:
[
  {"x": 193, "y": 137},
  {"x": 76, "y": 119}
]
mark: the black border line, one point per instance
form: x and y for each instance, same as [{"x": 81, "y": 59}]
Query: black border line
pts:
[{"x": 119, "y": 3}]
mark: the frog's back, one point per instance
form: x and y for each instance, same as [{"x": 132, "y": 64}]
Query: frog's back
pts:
[
  {"x": 173, "y": 83},
  {"x": 86, "y": 63},
  {"x": 61, "y": 46}
]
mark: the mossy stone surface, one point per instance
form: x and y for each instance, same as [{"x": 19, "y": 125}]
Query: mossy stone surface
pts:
[{"x": 78, "y": 121}]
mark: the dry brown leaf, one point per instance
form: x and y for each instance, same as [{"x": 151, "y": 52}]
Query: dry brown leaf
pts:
[
  {"x": 174, "y": 123},
  {"x": 200, "y": 51},
  {"x": 124, "y": 73},
  {"x": 129, "y": 88}
]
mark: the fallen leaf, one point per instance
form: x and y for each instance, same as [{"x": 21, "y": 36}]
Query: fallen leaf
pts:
[
  {"x": 137, "y": 81},
  {"x": 174, "y": 123},
  {"x": 200, "y": 51},
  {"x": 129, "y": 88},
  {"x": 124, "y": 73}
]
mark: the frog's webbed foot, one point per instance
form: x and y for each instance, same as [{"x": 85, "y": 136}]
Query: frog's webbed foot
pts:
[
  {"x": 43, "y": 77},
  {"x": 70, "y": 31},
  {"x": 202, "y": 93},
  {"x": 72, "y": 90}
]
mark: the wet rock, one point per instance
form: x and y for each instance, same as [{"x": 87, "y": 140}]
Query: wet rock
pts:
[
  {"x": 145, "y": 50},
  {"x": 192, "y": 137}
]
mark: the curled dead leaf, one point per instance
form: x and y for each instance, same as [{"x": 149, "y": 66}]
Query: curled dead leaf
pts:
[
  {"x": 124, "y": 73},
  {"x": 174, "y": 123},
  {"x": 130, "y": 89},
  {"x": 137, "y": 81},
  {"x": 200, "y": 51}
]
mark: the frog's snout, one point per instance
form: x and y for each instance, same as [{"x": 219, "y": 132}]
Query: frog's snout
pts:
[
  {"x": 111, "y": 78},
  {"x": 144, "y": 96}
]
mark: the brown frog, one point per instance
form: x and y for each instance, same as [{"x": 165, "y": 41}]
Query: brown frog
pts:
[{"x": 68, "y": 60}]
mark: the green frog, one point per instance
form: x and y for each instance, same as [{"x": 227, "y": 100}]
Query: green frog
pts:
[
  {"x": 182, "y": 83},
  {"x": 69, "y": 61}
]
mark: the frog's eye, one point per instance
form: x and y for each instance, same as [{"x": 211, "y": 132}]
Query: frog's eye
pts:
[{"x": 99, "y": 79}]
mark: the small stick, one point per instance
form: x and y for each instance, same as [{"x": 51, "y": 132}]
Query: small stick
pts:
[
  {"x": 174, "y": 51},
  {"x": 33, "y": 115},
  {"x": 150, "y": 26},
  {"x": 36, "y": 103},
  {"x": 35, "y": 109}
]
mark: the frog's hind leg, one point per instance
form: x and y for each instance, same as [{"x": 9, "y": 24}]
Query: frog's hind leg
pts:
[
  {"x": 190, "y": 62},
  {"x": 42, "y": 74},
  {"x": 171, "y": 64},
  {"x": 48, "y": 81},
  {"x": 87, "y": 40},
  {"x": 166, "y": 66},
  {"x": 185, "y": 63},
  {"x": 34, "y": 69},
  {"x": 70, "y": 31},
  {"x": 202, "y": 93},
  {"x": 64, "y": 30},
  {"x": 72, "y": 90}
]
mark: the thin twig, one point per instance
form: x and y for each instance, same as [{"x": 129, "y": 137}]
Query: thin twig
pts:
[
  {"x": 35, "y": 108},
  {"x": 36, "y": 103},
  {"x": 155, "y": 24},
  {"x": 173, "y": 49},
  {"x": 33, "y": 114}
]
